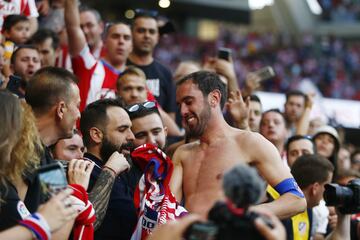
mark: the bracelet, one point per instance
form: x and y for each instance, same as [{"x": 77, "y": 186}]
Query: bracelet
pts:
[
  {"x": 112, "y": 170},
  {"x": 38, "y": 225}
]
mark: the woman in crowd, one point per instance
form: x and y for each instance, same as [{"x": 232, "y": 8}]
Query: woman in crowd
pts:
[
  {"x": 55, "y": 213},
  {"x": 327, "y": 143}
]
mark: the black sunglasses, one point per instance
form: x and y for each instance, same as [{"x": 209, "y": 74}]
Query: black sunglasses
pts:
[{"x": 136, "y": 107}]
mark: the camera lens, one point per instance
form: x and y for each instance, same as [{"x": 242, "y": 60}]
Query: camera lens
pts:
[{"x": 336, "y": 195}]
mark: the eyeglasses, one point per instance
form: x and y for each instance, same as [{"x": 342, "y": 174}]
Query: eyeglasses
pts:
[{"x": 136, "y": 107}]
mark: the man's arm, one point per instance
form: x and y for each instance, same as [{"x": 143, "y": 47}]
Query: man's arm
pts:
[
  {"x": 33, "y": 25},
  {"x": 177, "y": 176},
  {"x": 100, "y": 195},
  {"x": 302, "y": 126},
  {"x": 342, "y": 229},
  {"x": 77, "y": 40},
  {"x": 268, "y": 162}
]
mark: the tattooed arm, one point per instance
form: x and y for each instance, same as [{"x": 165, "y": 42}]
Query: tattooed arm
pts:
[{"x": 100, "y": 195}]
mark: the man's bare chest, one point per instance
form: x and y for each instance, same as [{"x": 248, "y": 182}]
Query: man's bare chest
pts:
[{"x": 204, "y": 168}]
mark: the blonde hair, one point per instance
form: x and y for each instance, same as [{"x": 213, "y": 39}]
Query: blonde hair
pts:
[
  {"x": 10, "y": 119},
  {"x": 27, "y": 151},
  {"x": 130, "y": 70}
]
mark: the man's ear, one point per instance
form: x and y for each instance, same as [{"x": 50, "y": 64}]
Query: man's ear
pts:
[
  {"x": 102, "y": 27},
  {"x": 214, "y": 97},
  {"x": 315, "y": 188},
  {"x": 165, "y": 131},
  {"x": 96, "y": 135},
  {"x": 60, "y": 109}
]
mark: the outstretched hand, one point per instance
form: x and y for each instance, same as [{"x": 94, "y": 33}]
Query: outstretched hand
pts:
[{"x": 239, "y": 109}]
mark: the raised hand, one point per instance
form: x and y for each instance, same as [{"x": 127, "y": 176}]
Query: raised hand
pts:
[
  {"x": 117, "y": 163},
  {"x": 79, "y": 172}
]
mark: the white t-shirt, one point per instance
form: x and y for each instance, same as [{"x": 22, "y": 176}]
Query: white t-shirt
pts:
[{"x": 320, "y": 218}]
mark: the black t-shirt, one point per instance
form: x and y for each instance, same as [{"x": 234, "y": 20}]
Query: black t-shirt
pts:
[
  {"x": 13, "y": 86},
  {"x": 159, "y": 82},
  {"x": 14, "y": 210},
  {"x": 120, "y": 219}
]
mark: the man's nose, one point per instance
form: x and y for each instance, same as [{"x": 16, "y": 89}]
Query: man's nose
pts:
[
  {"x": 151, "y": 139},
  {"x": 183, "y": 110},
  {"x": 130, "y": 136}
]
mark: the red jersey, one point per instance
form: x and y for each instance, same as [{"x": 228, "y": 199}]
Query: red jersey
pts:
[
  {"x": 97, "y": 79},
  {"x": 23, "y": 7}
]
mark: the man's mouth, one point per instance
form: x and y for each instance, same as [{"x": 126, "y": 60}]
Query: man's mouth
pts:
[{"x": 190, "y": 119}]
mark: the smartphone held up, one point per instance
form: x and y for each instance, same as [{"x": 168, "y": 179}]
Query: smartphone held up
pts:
[
  {"x": 52, "y": 178},
  {"x": 265, "y": 73},
  {"x": 225, "y": 54}
]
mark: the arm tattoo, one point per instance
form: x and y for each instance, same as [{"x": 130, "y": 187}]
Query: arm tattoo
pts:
[{"x": 100, "y": 195}]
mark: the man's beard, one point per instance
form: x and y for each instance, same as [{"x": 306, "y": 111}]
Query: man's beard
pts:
[
  {"x": 203, "y": 120},
  {"x": 108, "y": 148}
]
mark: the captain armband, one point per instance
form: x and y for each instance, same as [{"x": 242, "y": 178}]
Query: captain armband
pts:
[{"x": 289, "y": 185}]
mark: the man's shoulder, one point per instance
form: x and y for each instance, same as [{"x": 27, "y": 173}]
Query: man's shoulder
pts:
[
  {"x": 246, "y": 136},
  {"x": 190, "y": 146},
  {"x": 251, "y": 141},
  {"x": 184, "y": 150},
  {"x": 160, "y": 66}
]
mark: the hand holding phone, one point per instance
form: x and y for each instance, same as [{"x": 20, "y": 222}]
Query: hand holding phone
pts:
[
  {"x": 225, "y": 53},
  {"x": 265, "y": 73},
  {"x": 52, "y": 178}
]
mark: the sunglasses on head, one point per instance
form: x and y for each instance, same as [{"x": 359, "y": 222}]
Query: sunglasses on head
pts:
[{"x": 136, "y": 107}]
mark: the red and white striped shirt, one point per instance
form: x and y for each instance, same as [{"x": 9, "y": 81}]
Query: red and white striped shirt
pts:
[
  {"x": 97, "y": 79},
  {"x": 24, "y": 7}
]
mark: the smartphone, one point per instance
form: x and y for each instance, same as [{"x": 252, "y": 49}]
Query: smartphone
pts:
[
  {"x": 224, "y": 53},
  {"x": 52, "y": 178},
  {"x": 265, "y": 73}
]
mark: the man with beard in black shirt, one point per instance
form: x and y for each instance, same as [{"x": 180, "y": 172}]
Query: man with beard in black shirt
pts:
[
  {"x": 105, "y": 126},
  {"x": 145, "y": 34}
]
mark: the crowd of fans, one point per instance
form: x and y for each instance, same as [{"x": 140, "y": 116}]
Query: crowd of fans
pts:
[
  {"x": 147, "y": 152},
  {"x": 328, "y": 62},
  {"x": 345, "y": 11}
]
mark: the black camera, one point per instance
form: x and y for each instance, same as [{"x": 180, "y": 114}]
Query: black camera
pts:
[
  {"x": 345, "y": 198},
  {"x": 230, "y": 220},
  {"x": 224, "y": 224}
]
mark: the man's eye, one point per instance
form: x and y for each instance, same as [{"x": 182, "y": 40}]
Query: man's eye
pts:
[{"x": 140, "y": 136}]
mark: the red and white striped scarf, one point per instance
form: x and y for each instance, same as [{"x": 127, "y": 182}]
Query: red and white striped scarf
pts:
[
  {"x": 153, "y": 199},
  {"x": 83, "y": 227}
]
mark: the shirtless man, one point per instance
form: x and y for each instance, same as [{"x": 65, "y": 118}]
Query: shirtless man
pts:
[{"x": 199, "y": 166}]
